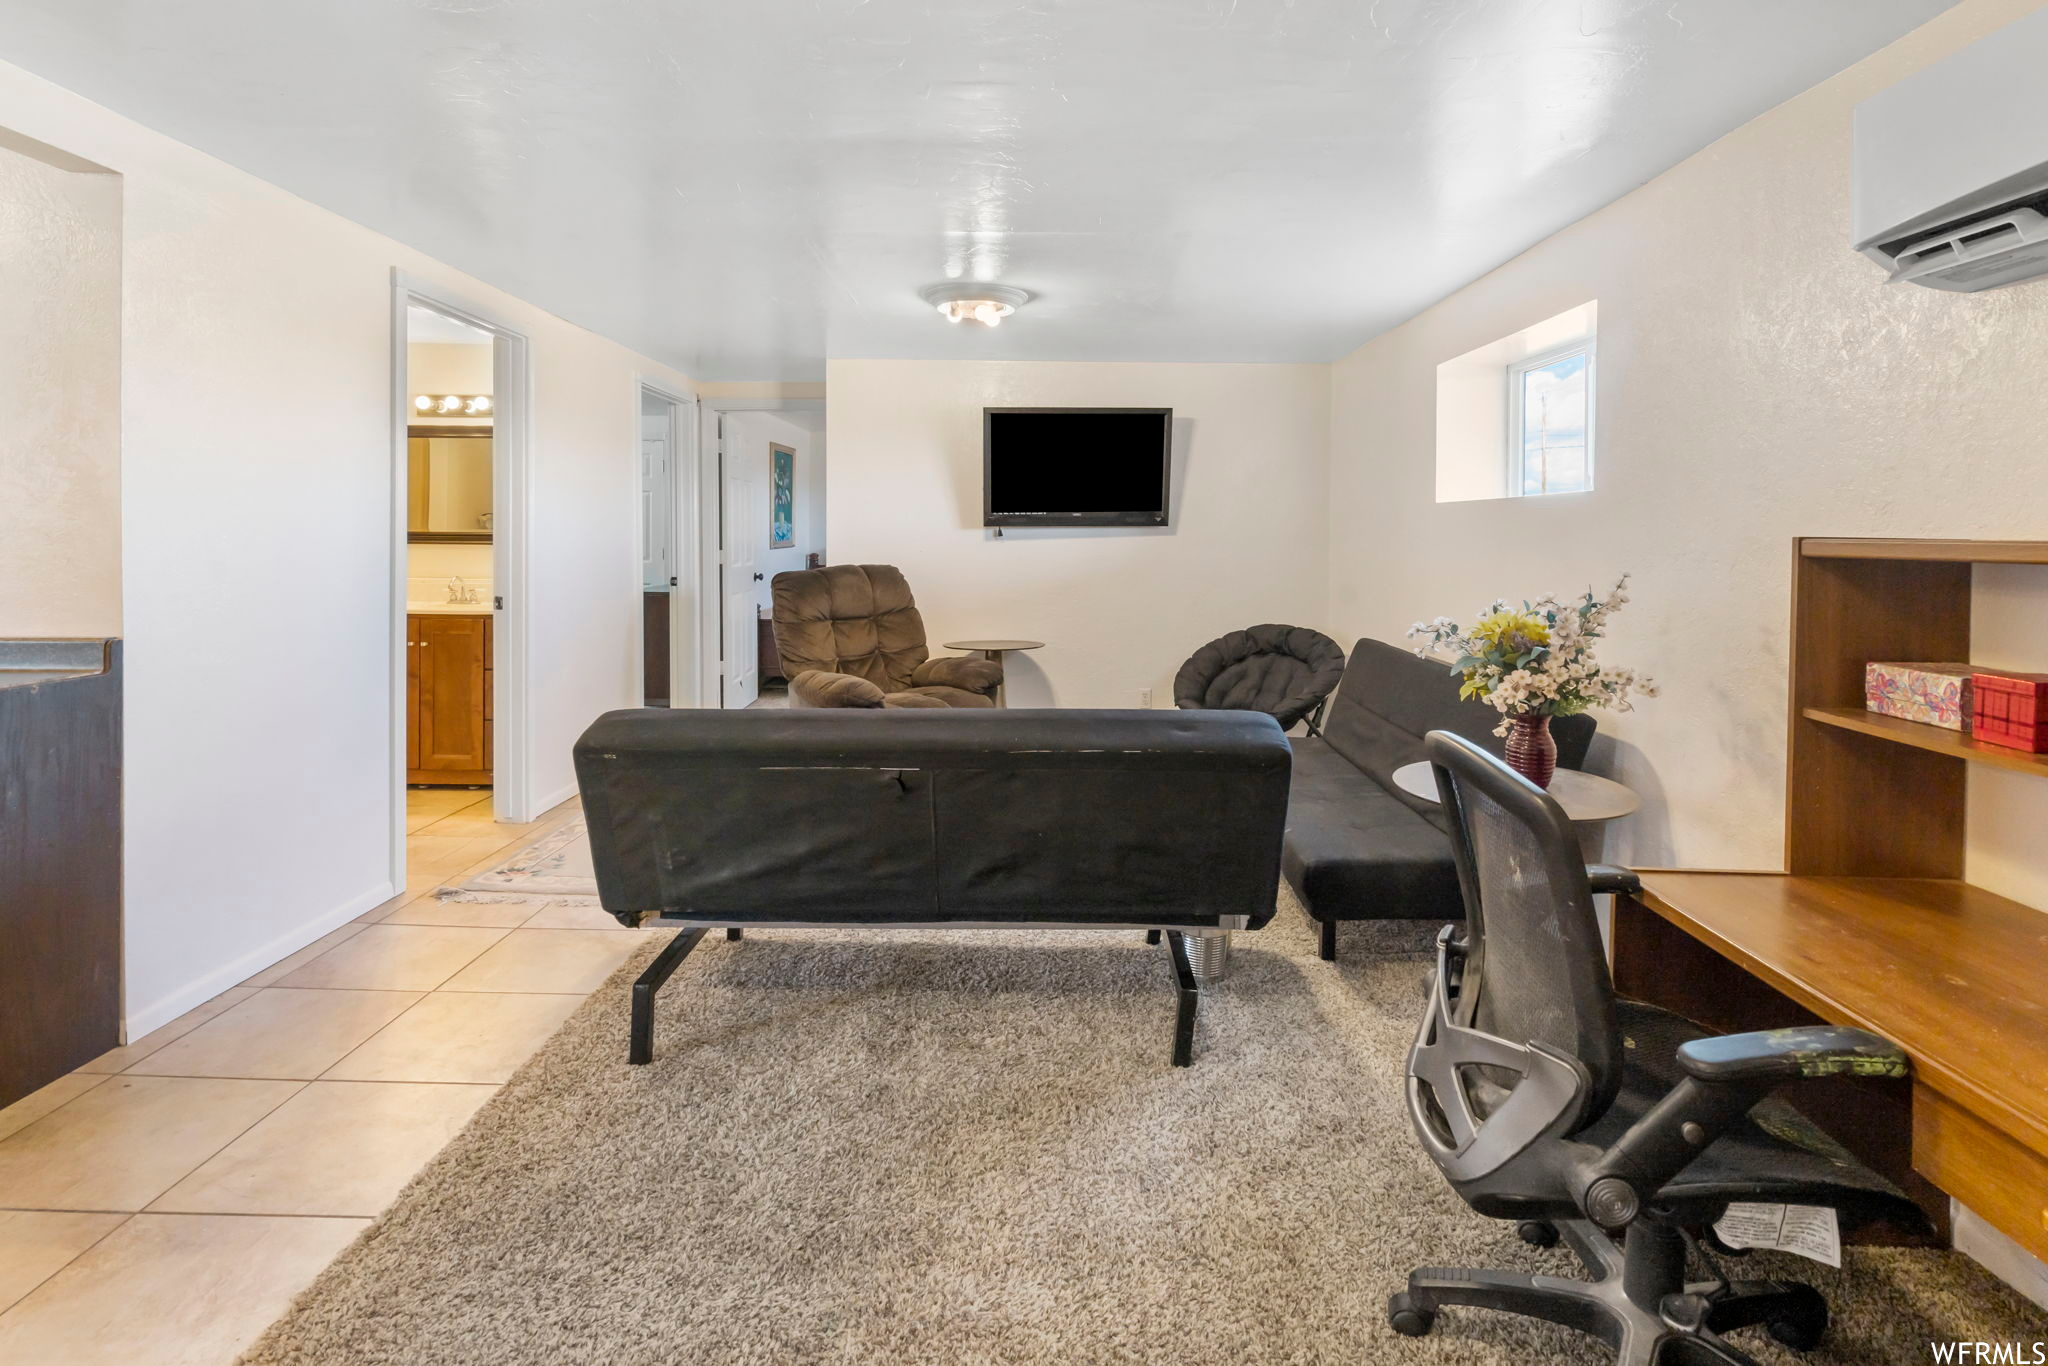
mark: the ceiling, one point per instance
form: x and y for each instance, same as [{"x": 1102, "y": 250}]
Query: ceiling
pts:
[{"x": 742, "y": 188}]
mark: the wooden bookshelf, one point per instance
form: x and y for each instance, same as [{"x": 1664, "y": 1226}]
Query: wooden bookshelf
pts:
[
  {"x": 1872, "y": 924},
  {"x": 1946, "y": 552},
  {"x": 1933, "y": 739}
]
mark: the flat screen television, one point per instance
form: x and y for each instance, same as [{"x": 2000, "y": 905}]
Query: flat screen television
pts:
[{"x": 1075, "y": 466}]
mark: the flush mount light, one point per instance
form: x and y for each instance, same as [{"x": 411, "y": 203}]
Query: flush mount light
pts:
[
  {"x": 452, "y": 405},
  {"x": 967, "y": 301}
]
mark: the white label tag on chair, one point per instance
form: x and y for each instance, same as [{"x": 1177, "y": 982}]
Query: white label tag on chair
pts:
[{"x": 1811, "y": 1231}]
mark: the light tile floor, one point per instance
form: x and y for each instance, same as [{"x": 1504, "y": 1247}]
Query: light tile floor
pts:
[{"x": 162, "y": 1204}]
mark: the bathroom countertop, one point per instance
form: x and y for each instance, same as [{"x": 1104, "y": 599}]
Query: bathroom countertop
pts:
[
  {"x": 448, "y": 609},
  {"x": 25, "y": 663}
]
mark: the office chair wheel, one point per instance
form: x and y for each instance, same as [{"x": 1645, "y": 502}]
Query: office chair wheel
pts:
[
  {"x": 1804, "y": 1320},
  {"x": 1537, "y": 1232},
  {"x": 1405, "y": 1317}
]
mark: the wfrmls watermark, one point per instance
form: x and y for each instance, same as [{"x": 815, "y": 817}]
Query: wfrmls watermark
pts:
[{"x": 1962, "y": 1353}]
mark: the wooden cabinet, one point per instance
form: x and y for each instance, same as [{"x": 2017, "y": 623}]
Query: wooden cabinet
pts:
[{"x": 448, "y": 698}]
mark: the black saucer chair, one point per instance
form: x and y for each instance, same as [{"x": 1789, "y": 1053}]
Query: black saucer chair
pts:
[
  {"x": 1545, "y": 1100},
  {"x": 1287, "y": 672}
]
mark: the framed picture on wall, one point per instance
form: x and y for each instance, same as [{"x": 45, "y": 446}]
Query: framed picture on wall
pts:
[{"x": 781, "y": 497}]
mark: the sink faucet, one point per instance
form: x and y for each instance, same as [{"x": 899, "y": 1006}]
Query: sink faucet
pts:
[{"x": 459, "y": 590}]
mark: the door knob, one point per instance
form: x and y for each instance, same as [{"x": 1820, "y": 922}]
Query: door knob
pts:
[{"x": 757, "y": 578}]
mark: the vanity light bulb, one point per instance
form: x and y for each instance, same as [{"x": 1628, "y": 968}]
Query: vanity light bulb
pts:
[
  {"x": 480, "y": 404},
  {"x": 423, "y": 403},
  {"x": 449, "y": 403}
]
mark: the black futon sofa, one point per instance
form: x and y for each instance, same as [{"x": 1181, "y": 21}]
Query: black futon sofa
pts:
[
  {"x": 1163, "y": 821},
  {"x": 1359, "y": 848}
]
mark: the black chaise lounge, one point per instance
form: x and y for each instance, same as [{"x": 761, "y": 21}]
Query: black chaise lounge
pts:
[
  {"x": 1545, "y": 1100},
  {"x": 1359, "y": 848},
  {"x": 1160, "y": 821}
]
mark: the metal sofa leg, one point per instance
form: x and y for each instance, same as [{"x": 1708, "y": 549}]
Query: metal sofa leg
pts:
[
  {"x": 1190, "y": 998},
  {"x": 640, "y": 1042},
  {"x": 1327, "y": 951},
  {"x": 1151, "y": 936},
  {"x": 732, "y": 934},
  {"x": 1209, "y": 955}
]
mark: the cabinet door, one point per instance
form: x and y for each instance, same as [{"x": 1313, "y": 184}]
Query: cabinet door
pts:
[
  {"x": 412, "y": 691},
  {"x": 453, "y": 654}
]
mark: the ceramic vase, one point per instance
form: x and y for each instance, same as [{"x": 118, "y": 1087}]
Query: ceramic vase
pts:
[{"x": 1531, "y": 751}]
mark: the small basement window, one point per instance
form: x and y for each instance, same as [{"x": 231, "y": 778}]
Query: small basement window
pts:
[{"x": 1514, "y": 418}]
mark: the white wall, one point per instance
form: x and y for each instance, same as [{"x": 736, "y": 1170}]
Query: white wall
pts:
[
  {"x": 1118, "y": 608},
  {"x": 60, "y": 394},
  {"x": 1758, "y": 382},
  {"x": 257, "y": 535},
  {"x": 747, "y": 437}
]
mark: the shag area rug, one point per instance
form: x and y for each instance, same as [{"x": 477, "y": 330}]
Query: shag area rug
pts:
[{"x": 961, "y": 1148}]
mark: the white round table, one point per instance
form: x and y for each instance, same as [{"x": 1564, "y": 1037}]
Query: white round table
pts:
[{"x": 1586, "y": 798}]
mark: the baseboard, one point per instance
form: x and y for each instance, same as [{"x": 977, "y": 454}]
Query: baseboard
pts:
[
  {"x": 1998, "y": 1254},
  {"x": 168, "y": 1008}
]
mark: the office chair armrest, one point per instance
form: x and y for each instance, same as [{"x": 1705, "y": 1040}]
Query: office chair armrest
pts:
[
  {"x": 958, "y": 671},
  {"x": 1725, "y": 1078},
  {"x": 822, "y": 688},
  {"x": 1780, "y": 1055},
  {"x": 1605, "y": 877}
]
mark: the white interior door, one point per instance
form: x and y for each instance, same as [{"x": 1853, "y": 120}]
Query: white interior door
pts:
[
  {"x": 745, "y": 509},
  {"x": 656, "y": 498}
]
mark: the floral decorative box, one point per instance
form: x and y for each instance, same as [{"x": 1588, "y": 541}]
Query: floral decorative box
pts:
[
  {"x": 2011, "y": 709},
  {"x": 1935, "y": 694}
]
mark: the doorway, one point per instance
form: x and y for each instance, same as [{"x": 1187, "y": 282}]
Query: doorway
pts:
[
  {"x": 764, "y": 499},
  {"x": 668, "y": 597},
  {"x": 460, "y": 410}
]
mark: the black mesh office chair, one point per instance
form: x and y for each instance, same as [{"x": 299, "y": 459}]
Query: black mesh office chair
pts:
[{"x": 1545, "y": 1100}]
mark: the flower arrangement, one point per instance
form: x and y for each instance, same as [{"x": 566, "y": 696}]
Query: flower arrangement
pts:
[{"x": 1536, "y": 661}]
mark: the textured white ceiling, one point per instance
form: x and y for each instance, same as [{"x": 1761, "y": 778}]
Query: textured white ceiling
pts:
[{"x": 744, "y": 187}]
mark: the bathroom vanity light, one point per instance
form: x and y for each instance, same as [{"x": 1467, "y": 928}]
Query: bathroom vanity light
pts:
[
  {"x": 968, "y": 301},
  {"x": 452, "y": 405}
]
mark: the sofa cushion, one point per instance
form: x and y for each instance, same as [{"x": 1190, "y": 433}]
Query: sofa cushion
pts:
[
  {"x": 1355, "y": 851},
  {"x": 937, "y": 695},
  {"x": 1359, "y": 848},
  {"x": 1391, "y": 698}
]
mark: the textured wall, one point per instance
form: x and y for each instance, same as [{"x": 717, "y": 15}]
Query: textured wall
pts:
[
  {"x": 60, "y": 394},
  {"x": 1118, "y": 608},
  {"x": 1757, "y": 382},
  {"x": 257, "y": 542}
]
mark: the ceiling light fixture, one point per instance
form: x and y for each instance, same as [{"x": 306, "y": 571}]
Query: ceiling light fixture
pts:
[{"x": 969, "y": 301}]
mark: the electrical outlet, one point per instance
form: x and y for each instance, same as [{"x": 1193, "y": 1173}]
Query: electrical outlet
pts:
[{"x": 1145, "y": 698}]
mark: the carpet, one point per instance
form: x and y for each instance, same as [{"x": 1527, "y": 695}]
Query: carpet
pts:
[{"x": 959, "y": 1148}]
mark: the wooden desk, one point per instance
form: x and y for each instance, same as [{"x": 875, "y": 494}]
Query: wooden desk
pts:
[{"x": 1953, "y": 974}]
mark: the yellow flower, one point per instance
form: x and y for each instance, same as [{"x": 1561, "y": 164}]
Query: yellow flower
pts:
[{"x": 1511, "y": 633}]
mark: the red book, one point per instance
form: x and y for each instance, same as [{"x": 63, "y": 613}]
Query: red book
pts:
[{"x": 2012, "y": 710}]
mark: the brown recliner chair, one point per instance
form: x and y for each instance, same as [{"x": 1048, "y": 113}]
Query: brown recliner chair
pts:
[{"x": 850, "y": 636}]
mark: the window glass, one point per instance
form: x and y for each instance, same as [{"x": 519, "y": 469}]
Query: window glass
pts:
[{"x": 1553, "y": 428}]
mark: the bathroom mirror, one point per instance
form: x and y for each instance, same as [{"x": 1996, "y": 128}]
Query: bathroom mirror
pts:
[{"x": 449, "y": 484}]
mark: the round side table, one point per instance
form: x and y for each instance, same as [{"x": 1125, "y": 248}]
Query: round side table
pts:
[
  {"x": 1585, "y": 797},
  {"x": 993, "y": 650}
]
